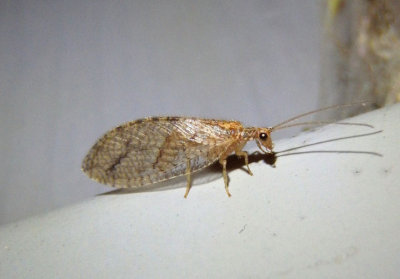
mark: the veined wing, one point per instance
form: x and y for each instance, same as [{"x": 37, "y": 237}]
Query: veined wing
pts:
[{"x": 156, "y": 149}]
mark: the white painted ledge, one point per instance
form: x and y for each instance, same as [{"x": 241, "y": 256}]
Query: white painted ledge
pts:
[{"x": 315, "y": 215}]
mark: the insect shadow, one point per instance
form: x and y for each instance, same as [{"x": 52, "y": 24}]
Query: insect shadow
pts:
[
  {"x": 213, "y": 172},
  {"x": 206, "y": 175}
]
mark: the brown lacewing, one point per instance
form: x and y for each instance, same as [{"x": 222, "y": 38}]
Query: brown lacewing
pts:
[{"x": 156, "y": 149}]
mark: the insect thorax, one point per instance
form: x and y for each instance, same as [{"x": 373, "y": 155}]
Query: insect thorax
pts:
[{"x": 249, "y": 133}]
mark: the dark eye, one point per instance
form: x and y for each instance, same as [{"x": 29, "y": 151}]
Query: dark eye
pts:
[{"x": 263, "y": 136}]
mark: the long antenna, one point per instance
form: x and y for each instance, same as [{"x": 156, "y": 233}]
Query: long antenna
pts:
[
  {"x": 276, "y": 127},
  {"x": 316, "y": 123}
]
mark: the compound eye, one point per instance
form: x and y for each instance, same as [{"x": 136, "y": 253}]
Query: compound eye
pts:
[{"x": 263, "y": 136}]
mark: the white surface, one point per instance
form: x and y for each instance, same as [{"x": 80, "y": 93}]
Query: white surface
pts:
[
  {"x": 316, "y": 215},
  {"x": 71, "y": 70}
]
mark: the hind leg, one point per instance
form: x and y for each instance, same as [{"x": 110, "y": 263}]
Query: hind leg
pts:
[{"x": 188, "y": 179}]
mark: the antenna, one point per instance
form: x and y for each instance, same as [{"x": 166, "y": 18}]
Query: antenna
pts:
[
  {"x": 281, "y": 125},
  {"x": 322, "y": 123}
]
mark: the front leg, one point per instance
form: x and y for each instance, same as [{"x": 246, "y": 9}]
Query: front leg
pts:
[
  {"x": 241, "y": 153},
  {"x": 237, "y": 147}
]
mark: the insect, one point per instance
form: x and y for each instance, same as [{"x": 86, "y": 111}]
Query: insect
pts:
[{"x": 156, "y": 149}]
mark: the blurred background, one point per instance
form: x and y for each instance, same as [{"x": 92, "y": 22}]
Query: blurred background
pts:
[{"x": 72, "y": 70}]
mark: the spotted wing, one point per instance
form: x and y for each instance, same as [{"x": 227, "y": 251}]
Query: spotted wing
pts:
[{"x": 155, "y": 149}]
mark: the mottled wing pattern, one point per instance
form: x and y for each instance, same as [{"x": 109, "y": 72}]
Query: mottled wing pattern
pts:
[{"x": 156, "y": 149}]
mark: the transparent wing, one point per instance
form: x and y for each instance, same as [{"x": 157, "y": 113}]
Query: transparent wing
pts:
[{"x": 155, "y": 149}]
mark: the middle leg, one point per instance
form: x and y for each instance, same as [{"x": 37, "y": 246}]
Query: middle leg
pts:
[{"x": 223, "y": 163}]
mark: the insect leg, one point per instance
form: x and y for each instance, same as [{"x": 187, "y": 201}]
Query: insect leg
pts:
[
  {"x": 188, "y": 178},
  {"x": 246, "y": 159},
  {"x": 223, "y": 163}
]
